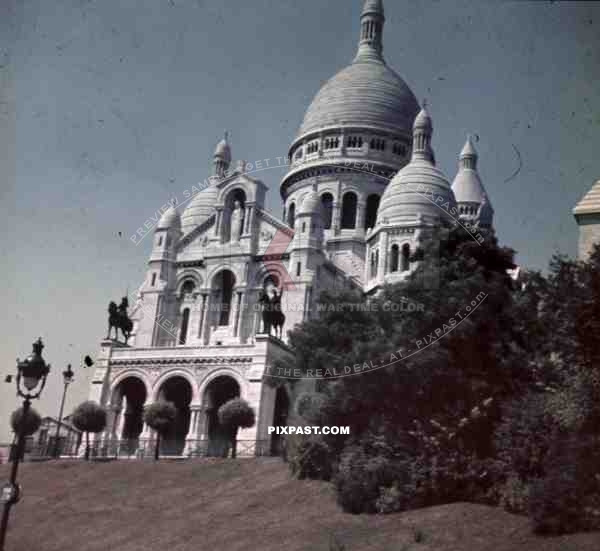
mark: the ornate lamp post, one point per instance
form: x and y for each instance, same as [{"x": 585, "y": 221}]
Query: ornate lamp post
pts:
[
  {"x": 67, "y": 379},
  {"x": 31, "y": 379}
]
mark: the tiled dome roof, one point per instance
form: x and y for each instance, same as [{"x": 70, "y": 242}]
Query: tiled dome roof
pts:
[
  {"x": 366, "y": 93},
  {"x": 200, "y": 208}
]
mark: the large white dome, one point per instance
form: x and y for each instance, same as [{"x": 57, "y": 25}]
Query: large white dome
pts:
[{"x": 366, "y": 93}]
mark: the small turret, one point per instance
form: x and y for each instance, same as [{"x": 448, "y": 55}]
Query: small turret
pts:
[
  {"x": 222, "y": 157},
  {"x": 472, "y": 200}
]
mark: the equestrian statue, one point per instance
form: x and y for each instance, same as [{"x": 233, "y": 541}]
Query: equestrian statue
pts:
[
  {"x": 272, "y": 315},
  {"x": 118, "y": 318}
]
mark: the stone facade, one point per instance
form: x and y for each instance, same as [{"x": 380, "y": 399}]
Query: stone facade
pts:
[{"x": 198, "y": 337}]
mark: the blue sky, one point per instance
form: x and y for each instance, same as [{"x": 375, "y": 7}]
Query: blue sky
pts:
[{"x": 108, "y": 108}]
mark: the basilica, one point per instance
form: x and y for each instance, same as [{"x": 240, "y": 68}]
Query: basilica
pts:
[{"x": 361, "y": 191}]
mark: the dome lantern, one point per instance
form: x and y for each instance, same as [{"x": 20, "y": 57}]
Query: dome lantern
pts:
[
  {"x": 372, "y": 19},
  {"x": 222, "y": 156}
]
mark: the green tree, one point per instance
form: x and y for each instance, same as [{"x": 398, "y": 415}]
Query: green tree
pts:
[
  {"x": 160, "y": 416},
  {"x": 234, "y": 414},
  {"x": 89, "y": 417},
  {"x": 32, "y": 421}
]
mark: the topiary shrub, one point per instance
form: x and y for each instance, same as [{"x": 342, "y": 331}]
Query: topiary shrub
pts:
[
  {"x": 89, "y": 417},
  {"x": 160, "y": 416},
  {"x": 234, "y": 414},
  {"x": 32, "y": 421}
]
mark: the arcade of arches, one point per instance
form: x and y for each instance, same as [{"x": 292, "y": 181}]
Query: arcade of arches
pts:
[{"x": 195, "y": 425}]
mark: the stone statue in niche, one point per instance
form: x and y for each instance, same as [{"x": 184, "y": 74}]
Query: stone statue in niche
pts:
[{"x": 237, "y": 221}]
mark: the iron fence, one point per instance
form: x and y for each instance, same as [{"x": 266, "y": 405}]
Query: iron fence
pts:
[{"x": 144, "y": 448}]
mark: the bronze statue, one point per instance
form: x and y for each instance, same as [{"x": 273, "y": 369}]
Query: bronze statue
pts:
[
  {"x": 272, "y": 315},
  {"x": 118, "y": 318}
]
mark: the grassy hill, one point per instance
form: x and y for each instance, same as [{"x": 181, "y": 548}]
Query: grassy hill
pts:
[{"x": 237, "y": 505}]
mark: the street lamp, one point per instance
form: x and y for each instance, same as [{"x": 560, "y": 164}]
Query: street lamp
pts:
[
  {"x": 67, "y": 380},
  {"x": 31, "y": 379}
]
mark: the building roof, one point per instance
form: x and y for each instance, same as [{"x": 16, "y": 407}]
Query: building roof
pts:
[
  {"x": 169, "y": 219},
  {"x": 366, "y": 93},
  {"x": 201, "y": 207},
  {"x": 223, "y": 150},
  {"x": 467, "y": 186},
  {"x": 590, "y": 204},
  {"x": 420, "y": 188}
]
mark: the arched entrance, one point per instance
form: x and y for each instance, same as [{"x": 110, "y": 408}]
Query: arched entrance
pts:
[
  {"x": 178, "y": 391},
  {"x": 129, "y": 397},
  {"x": 219, "y": 390},
  {"x": 280, "y": 416}
]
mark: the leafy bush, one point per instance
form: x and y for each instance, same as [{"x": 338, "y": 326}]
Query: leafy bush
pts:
[
  {"x": 514, "y": 495},
  {"x": 309, "y": 406},
  {"x": 234, "y": 414},
  {"x": 32, "y": 421},
  {"x": 524, "y": 436},
  {"x": 310, "y": 457},
  {"x": 372, "y": 478},
  {"x": 89, "y": 417},
  {"x": 160, "y": 416}
]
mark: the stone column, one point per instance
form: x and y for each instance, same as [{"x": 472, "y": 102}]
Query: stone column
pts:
[
  {"x": 248, "y": 219},
  {"x": 336, "y": 217},
  {"x": 383, "y": 253},
  {"x": 192, "y": 435},
  {"x": 218, "y": 222},
  {"x": 360, "y": 217},
  {"x": 238, "y": 314},
  {"x": 122, "y": 417},
  {"x": 203, "y": 310},
  {"x": 202, "y": 423}
]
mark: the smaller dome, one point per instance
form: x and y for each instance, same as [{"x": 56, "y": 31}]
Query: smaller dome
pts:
[
  {"x": 310, "y": 204},
  {"x": 223, "y": 150},
  {"x": 169, "y": 220},
  {"x": 423, "y": 120},
  {"x": 201, "y": 207},
  {"x": 467, "y": 186},
  {"x": 419, "y": 189}
]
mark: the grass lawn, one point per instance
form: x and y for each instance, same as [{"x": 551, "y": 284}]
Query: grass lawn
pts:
[{"x": 247, "y": 504}]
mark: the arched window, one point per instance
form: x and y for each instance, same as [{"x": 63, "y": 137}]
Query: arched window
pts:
[
  {"x": 327, "y": 203},
  {"x": 291, "y": 215},
  {"x": 188, "y": 287},
  {"x": 405, "y": 258},
  {"x": 394, "y": 258},
  {"x": 371, "y": 211},
  {"x": 225, "y": 282},
  {"x": 185, "y": 320},
  {"x": 349, "y": 211}
]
